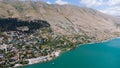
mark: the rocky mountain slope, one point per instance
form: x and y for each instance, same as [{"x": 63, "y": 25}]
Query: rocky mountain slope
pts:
[
  {"x": 65, "y": 20},
  {"x": 33, "y": 32}
]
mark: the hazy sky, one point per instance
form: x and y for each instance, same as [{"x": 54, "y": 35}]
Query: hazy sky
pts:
[{"x": 111, "y": 7}]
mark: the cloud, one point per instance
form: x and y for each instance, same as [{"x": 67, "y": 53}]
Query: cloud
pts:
[
  {"x": 61, "y": 2},
  {"x": 112, "y": 10},
  {"x": 111, "y": 7},
  {"x": 48, "y": 2},
  {"x": 113, "y": 2},
  {"x": 90, "y": 3}
]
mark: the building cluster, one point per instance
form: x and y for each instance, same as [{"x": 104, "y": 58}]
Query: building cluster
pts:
[
  {"x": 21, "y": 48},
  {"x": 16, "y": 47}
]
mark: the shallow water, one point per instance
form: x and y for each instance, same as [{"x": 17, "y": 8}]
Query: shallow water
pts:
[{"x": 98, "y": 55}]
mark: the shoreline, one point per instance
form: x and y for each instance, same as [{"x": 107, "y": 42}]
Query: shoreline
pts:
[
  {"x": 41, "y": 59},
  {"x": 102, "y": 41},
  {"x": 55, "y": 54}
]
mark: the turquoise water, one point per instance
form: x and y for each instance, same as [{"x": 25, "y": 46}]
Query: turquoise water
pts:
[{"x": 99, "y": 55}]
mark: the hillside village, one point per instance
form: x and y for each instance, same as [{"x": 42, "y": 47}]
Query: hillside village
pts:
[
  {"x": 21, "y": 47},
  {"x": 33, "y": 32}
]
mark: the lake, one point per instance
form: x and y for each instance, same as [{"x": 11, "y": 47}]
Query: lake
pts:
[{"x": 98, "y": 55}]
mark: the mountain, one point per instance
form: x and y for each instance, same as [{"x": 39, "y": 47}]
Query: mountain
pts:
[
  {"x": 68, "y": 20},
  {"x": 33, "y": 32}
]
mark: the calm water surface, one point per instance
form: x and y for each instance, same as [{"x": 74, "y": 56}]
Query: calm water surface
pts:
[{"x": 99, "y": 55}]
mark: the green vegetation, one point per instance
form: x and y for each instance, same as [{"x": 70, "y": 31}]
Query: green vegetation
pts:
[
  {"x": 38, "y": 41},
  {"x": 24, "y": 62}
]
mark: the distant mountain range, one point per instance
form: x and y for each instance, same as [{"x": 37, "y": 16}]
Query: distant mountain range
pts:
[{"x": 65, "y": 20}]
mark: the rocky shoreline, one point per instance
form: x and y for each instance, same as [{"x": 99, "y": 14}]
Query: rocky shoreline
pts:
[{"x": 41, "y": 59}]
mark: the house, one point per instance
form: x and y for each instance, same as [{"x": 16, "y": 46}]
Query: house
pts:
[{"x": 1, "y": 55}]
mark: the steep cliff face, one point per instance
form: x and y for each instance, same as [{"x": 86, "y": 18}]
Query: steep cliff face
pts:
[{"x": 65, "y": 20}]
